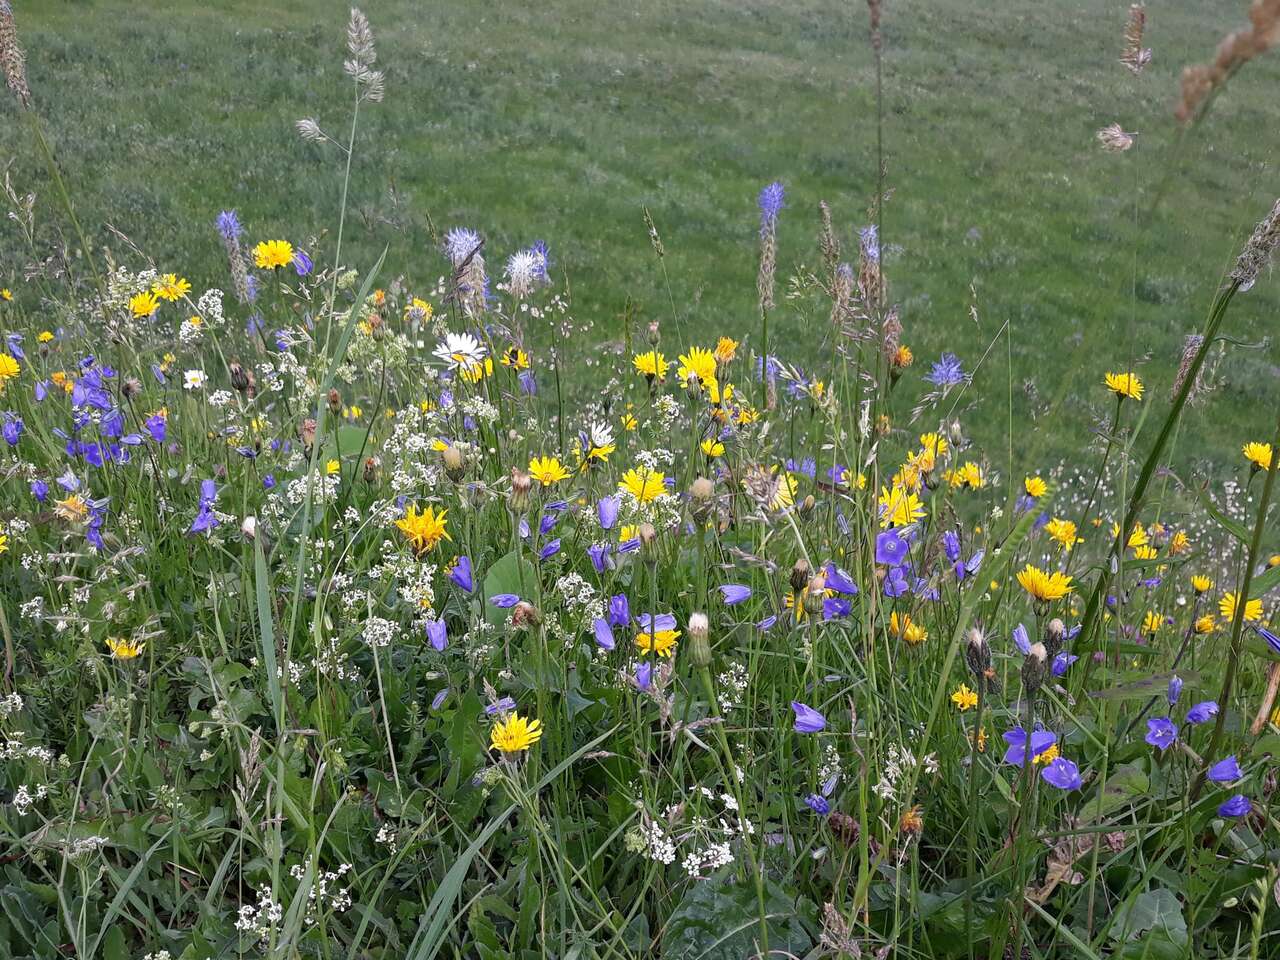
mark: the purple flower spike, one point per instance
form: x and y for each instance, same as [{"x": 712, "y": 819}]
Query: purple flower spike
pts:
[
  {"x": 771, "y": 201},
  {"x": 808, "y": 720}
]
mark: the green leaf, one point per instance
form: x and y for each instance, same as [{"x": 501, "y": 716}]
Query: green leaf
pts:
[
  {"x": 720, "y": 920},
  {"x": 505, "y": 577},
  {"x": 1125, "y": 785},
  {"x": 266, "y": 627},
  {"x": 1156, "y": 911}
]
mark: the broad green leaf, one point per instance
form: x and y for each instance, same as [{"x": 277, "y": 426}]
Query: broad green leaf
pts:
[{"x": 719, "y": 919}]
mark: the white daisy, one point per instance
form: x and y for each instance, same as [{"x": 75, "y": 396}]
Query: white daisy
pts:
[
  {"x": 460, "y": 351},
  {"x": 193, "y": 379}
]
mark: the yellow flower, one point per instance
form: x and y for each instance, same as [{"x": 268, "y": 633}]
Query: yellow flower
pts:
[
  {"x": 1227, "y": 608},
  {"x": 547, "y": 470},
  {"x": 746, "y": 415},
  {"x": 122, "y": 649},
  {"x": 514, "y": 734},
  {"x": 418, "y": 309},
  {"x": 423, "y": 530},
  {"x": 1125, "y": 385},
  {"x": 725, "y": 349},
  {"x": 964, "y": 698},
  {"x": 982, "y": 740},
  {"x": 6, "y": 294},
  {"x": 1206, "y": 624},
  {"x": 1045, "y": 587},
  {"x": 1035, "y": 487},
  {"x": 9, "y": 368},
  {"x": 477, "y": 371},
  {"x": 698, "y": 364},
  {"x": 899, "y": 507},
  {"x": 643, "y": 484},
  {"x": 171, "y": 287},
  {"x": 1064, "y": 532},
  {"x": 1201, "y": 584},
  {"x": 44, "y": 336},
  {"x": 1259, "y": 454},
  {"x": 1273, "y": 560},
  {"x": 907, "y": 629},
  {"x": 902, "y": 357},
  {"x": 515, "y": 358},
  {"x": 73, "y": 509},
  {"x": 661, "y": 642},
  {"x": 332, "y": 467},
  {"x": 912, "y": 820},
  {"x": 969, "y": 475},
  {"x": 629, "y": 421},
  {"x": 652, "y": 365},
  {"x": 144, "y": 304},
  {"x": 1047, "y": 755},
  {"x": 1137, "y": 536},
  {"x": 1145, "y": 552},
  {"x": 271, "y": 254},
  {"x": 4, "y": 543},
  {"x": 712, "y": 448},
  {"x": 1179, "y": 543},
  {"x": 352, "y": 412},
  {"x": 1152, "y": 622}
]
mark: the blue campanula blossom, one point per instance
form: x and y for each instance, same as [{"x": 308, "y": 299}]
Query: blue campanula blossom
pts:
[
  {"x": 734, "y": 593},
  {"x": 437, "y": 634},
  {"x": 599, "y": 554},
  {"x": 603, "y": 633},
  {"x": 549, "y": 550},
  {"x": 1062, "y": 662},
  {"x": 1202, "y": 712},
  {"x": 12, "y": 428},
  {"x": 504, "y": 600},
  {"x": 1272, "y": 640},
  {"x": 1175, "y": 689},
  {"x": 547, "y": 522},
  {"x": 460, "y": 574},
  {"x": 1161, "y": 733},
  {"x": 528, "y": 383},
  {"x": 1016, "y": 753},
  {"x": 97, "y": 517},
  {"x": 951, "y": 546},
  {"x": 205, "y": 519},
  {"x": 765, "y": 625},
  {"x": 269, "y": 481},
  {"x": 808, "y": 720},
  {"x": 438, "y": 700},
  {"x": 619, "y": 610},
  {"x": 14, "y": 340},
  {"x": 40, "y": 490},
  {"x": 838, "y": 580},
  {"x": 1061, "y": 773},
  {"x": 895, "y": 582},
  {"x": 833, "y": 608},
  {"x": 502, "y": 706},
  {"x": 891, "y": 549},
  {"x": 644, "y": 675},
  {"x": 69, "y": 481},
  {"x": 1225, "y": 771},
  {"x": 301, "y": 263},
  {"x": 1021, "y": 639},
  {"x": 946, "y": 372},
  {"x": 607, "y": 511},
  {"x": 818, "y": 804},
  {"x": 1237, "y": 806}
]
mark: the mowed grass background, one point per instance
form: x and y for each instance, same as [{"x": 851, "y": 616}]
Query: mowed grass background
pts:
[{"x": 562, "y": 120}]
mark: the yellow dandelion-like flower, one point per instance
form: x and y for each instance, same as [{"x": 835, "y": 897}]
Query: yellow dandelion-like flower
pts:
[
  {"x": 423, "y": 530},
  {"x": 171, "y": 287},
  {"x": 725, "y": 349},
  {"x": 1201, "y": 584},
  {"x": 1126, "y": 386},
  {"x": 786, "y": 495},
  {"x": 74, "y": 509},
  {"x": 1145, "y": 552},
  {"x": 629, "y": 421},
  {"x": 651, "y": 364},
  {"x": 1206, "y": 624},
  {"x": 514, "y": 734},
  {"x": 1152, "y": 622},
  {"x": 332, "y": 466},
  {"x": 1227, "y": 608},
  {"x": 515, "y": 358},
  {"x": 746, "y": 416},
  {"x": 902, "y": 357},
  {"x": 697, "y": 365},
  {"x": 9, "y": 368},
  {"x": 6, "y": 294},
  {"x": 1137, "y": 536},
  {"x": 4, "y": 543},
  {"x": 907, "y": 630},
  {"x": 1179, "y": 543},
  {"x": 1047, "y": 755},
  {"x": 912, "y": 820},
  {"x": 969, "y": 475},
  {"x": 122, "y": 649},
  {"x": 1258, "y": 454},
  {"x": 1035, "y": 487},
  {"x": 661, "y": 642},
  {"x": 643, "y": 484},
  {"x": 418, "y": 309},
  {"x": 144, "y": 304},
  {"x": 477, "y": 371},
  {"x": 712, "y": 447},
  {"x": 964, "y": 698},
  {"x": 272, "y": 254},
  {"x": 44, "y": 336},
  {"x": 1063, "y": 532},
  {"x": 547, "y": 470},
  {"x": 1044, "y": 587},
  {"x": 899, "y": 507}
]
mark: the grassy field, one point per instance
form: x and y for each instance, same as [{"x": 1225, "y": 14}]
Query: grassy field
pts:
[{"x": 574, "y": 117}]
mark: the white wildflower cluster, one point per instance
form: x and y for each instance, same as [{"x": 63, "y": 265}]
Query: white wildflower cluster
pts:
[
  {"x": 655, "y": 460},
  {"x": 900, "y": 762},
  {"x": 82, "y": 848},
  {"x": 378, "y": 632},
  {"x": 324, "y": 490},
  {"x": 388, "y": 837},
  {"x": 209, "y": 306},
  {"x": 191, "y": 331},
  {"x": 24, "y": 799},
  {"x": 732, "y": 684},
  {"x": 831, "y": 770},
  {"x": 413, "y": 579},
  {"x": 480, "y": 408},
  {"x": 651, "y": 841},
  {"x": 159, "y": 955},
  {"x": 259, "y": 919},
  {"x": 10, "y": 704},
  {"x": 666, "y": 411},
  {"x": 325, "y": 893},
  {"x": 330, "y": 661},
  {"x": 578, "y": 595}
]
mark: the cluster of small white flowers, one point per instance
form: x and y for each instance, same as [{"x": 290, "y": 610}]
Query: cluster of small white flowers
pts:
[
  {"x": 655, "y": 460},
  {"x": 84, "y": 847},
  {"x": 259, "y": 919},
  {"x": 209, "y": 306},
  {"x": 387, "y": 837},
  {"x": 32, "y": 609},
  {"x": 666, "y": 411},
  {"x": 10, "y": 705},
  {"x": 159, "y": 955},
  {"x": 652, "y": 842},
  {"x": 221, "y": 398},
  {"x": 575, "y": 593},
  {"x": 324, "y": 892},
  {"x": 330, "y": 661},
  {"x": 831, "y": 771},
  {"x": 699, "y": 863},
  {"x": 191, "y": 331},
  {"x": 899, "y": 762},
  {"x": 324, "y": 489},
  {"x": 733, "y": 684},
  {"x": 481, "y": 409},
  {"x": 378, "y": 632},
  {"x": 24, "y": 799}
]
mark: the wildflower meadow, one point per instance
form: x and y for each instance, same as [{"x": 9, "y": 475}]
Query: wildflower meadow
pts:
[{"x": 351, "y": 613}]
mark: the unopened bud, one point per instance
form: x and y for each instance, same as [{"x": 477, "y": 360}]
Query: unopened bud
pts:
[
  {"x": 647, "y": 534},
  {"x": 977, "y": 655},
  {"x": 520, "y": 486},
  {"x": 814, "y": 595},
  {"x": 239, "y": 378},
  {"x": 372, "y": 467},
  {"x": 131, "y": 388},
  {"x": 249, "y": 527},
  {"x": 1055, "y": 635},
  {"x": 1034, "y": 667},
  {"x": 701, "y": 492},
  {"x": 335, "y": 401},
  {"x": 699, "y": 640},
  {"x": 807, "y": 505},
  {"x": 524, "y": 614},
  {"x": 307, "y": 432},
  {"x": 654, "y": 335},
  {"x": 454, "y": 466},
  {"x": 800, "y": 574}
]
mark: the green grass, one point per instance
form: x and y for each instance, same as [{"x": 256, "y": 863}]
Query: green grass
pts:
[{"x": 564, "y": 120}]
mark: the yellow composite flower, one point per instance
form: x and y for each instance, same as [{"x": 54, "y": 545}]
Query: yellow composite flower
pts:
[
  {"x": 332, "y": 466},
  {"x": 643, "y": 484},
  {"x": 547, "y": 470},
  {"x": 515, "y": 358},
  {"x": 1152, "y": 622},
  {"x": 9, "y": 368},
  {"x": 423, "y": 530},
  {"x": 698, "y": 364},
  {"x": 1145, "y": 552},
  {"x": 74, "y": 509},
  {"x": 1137, "y": 536},
  {"x": 144, "y": 304},
  {"x": 712, "y": 447},
  {"x": 171, "y": 287},
  {"x": 4, "y": 543},
  {"x": 44, "y": 336},
  {"x": 934, "y": 444},
  {"x": 418, "y": 309},
  {"x": 661, "y": 642},
  {"x": 1035, "y": 487},
  {"x": 272, "y": 254},
  {"x": 746, "y": 415},
  {"x": 902, "y": 357},
  {"x": 1206, "y": 624},
  {"x": 122, "y": 649},
  {"x": 1179, "y": 543},
  {"x": 514, "y": 734},
  {"x": 910, "y": 475},
  {"x": 1201, "y": 584},
  {"x": 964, "y": 698},
  {"x": 6, "y": 294},
  {"x": 725, "y": 349},
  {"x": 1045, "y": 587},
  {"x": 969, "y": 475},
  {"x": 629, "y": 421},
  {"x": 907, "y": 629},
  {"x": 476, "y": 372},
  {"x": 1126, "y": 386},
  {"x": 1063, "y": 532},
  {"x": 786, "y": 494},
  {"x": 899, "y": 507},
  {"x": 1258, "y": 454},
  {"x": 651, "y": 364},
  {"x": 1227, "y": 608}
]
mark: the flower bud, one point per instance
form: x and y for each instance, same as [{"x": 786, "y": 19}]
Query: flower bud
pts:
[
  {"x": 249, "y": 527},
  {"x": 977, "y": 655},
  {"x": 335, "y": 401},
  {"x": 239, "y": 378},
  {"x": 647, "y": 534},
  {"x": 454, "y": 466},
  {"x": 524, "y": 614},
  {"x": 701, "y": 492},
  {"x": 307, "y": 432},
  {"x": 699, "y": 643},
  {"x": 654, "y": 335},
  {"x": 800, "y": 574},
  {"x": 1055, "y": 635},
  {"x": 372, "y": 467},
  {"x": 1034, "y": 667},
  {"x": 521, "y": 483},
  {"x": 807, "y": 505},
  {"x": 814, "y": 595},
  {"x": 131, "y": 388}
]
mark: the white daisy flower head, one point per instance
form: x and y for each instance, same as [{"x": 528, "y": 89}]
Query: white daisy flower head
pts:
[
  {"x": 460, "y": 351},
  {"x": 193, "y": 379}
]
